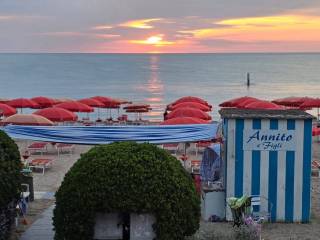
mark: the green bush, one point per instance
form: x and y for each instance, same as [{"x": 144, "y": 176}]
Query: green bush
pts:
[
  {"x": 10, "y": 166},
  {"x": 130, "y": 178}
]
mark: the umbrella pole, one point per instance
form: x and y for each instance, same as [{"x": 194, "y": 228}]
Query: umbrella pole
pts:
[{"x": 318, "y": 114}]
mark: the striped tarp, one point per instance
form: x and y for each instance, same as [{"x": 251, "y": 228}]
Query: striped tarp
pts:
[
  {"x": 157, "y": 134},
  {"x": 280, "y": 177}
]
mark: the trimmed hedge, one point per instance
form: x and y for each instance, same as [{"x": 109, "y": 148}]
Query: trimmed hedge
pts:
[
  {"x": 130, "y": 178},
  {"x": 10, "y": 182}
]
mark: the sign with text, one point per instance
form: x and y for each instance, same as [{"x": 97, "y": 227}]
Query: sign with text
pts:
[{"x": 269, "y": 140}]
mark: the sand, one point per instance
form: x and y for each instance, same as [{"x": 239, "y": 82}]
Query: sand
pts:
[{"x": 51, "y": 180}]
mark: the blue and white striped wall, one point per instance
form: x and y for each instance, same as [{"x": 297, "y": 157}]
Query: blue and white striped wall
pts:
[{"x": 282, "y": 177}]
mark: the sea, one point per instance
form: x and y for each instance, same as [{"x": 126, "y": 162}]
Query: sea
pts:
[{"x": 159, "y": 79}]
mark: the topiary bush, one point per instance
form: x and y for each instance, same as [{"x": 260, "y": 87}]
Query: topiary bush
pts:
[
  {"x": 130, "y": 178},
  {"x": 10, "y": 180}
]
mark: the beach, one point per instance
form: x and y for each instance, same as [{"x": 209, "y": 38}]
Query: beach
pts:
[{"x": 52, "y": 178}]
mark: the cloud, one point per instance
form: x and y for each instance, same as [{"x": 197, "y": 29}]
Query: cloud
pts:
[
  {"x": 141, "y": 23},
  {"x": 102, "y": 27}
]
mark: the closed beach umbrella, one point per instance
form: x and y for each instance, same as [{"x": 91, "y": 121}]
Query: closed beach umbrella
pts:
[
  {"x": 27, "y": 119},
  {"x": 22, "y": 103},
  {"x": 188, "y": 112},
  {"x": 75, "y": 106},
  {"x": 263, "y": 105},
  {"x": 183, "y": 120},
  {"x": 6, "y": 110},
  {"x": 191, "y": 99},
  {"x": 235, "y": 101},
  {"x": 57, "y": 114},
  {"x": 196, "y": 105},
  {"x": 290, "y": 101},
  {"x": 44, "y": 102}
]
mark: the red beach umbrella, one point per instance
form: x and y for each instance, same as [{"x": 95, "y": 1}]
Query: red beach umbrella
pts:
[
  {"x": 290, "y": 101},
  {"x": 62, "y": 100},
  {"x": 188, "y": 112},
  {"x": 57, "y": 114},
  {"x": 196, "y": 105},
  {"x": 190, "y": 99},
  {"x": 6, "y": 110},
  {"x": 183, "y": 120},
  {"x": 311, "y": 103},
  {"x": 263, "y": 105},
  {"x": 44, "y": 102},
  {"x": 235, "y": 101},
  {"x": 91, "y": 102},
  {"x": 107, "y": 101},
  {"x": 138, "y": 110},
  {"x": 137, "y": 106},
  {"x": 23, "y": 103},
  {"x": 246, "y": 102},
  {"x": 27, "y": 119},
  {"x": 4, "y": 100},
  {"x": 122, "y": 101},
  {"x": 75, "y": 106}
]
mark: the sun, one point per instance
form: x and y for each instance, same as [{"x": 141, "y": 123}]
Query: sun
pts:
[{"x": 154, "y": 40}]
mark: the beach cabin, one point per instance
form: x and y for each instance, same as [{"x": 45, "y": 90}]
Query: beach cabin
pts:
[{"x": 268, "y": 153}]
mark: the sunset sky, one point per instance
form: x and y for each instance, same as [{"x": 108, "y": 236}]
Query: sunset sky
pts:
[{"x": 159, "y": 26}]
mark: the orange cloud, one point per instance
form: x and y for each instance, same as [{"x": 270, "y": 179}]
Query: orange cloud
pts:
[
  {"x": 270, "y": 28},
  {"x": 102, "y": 27},
  {"x": 142, "y": 23}
]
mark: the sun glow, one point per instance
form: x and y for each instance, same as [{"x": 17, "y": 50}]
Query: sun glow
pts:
[{"x": 156, "y": 40}]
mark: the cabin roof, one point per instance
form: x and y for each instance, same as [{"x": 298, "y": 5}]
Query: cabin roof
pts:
[{"x": 236, "y": 113}]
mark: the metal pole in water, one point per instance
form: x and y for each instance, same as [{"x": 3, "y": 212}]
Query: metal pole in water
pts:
[{"x": 248, "y": 79}]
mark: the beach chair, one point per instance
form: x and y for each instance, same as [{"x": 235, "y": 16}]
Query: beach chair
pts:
[
  {"x": 40, "y": 163},
  {"x": 65, "y": 148},
  {"x": 315, "y": 168},
  {"x": 256, "y": 213},
  {"x": 37, "y": 147},
  {"x": 195, "y": 166},
  {"x": 171, "y": 147}
]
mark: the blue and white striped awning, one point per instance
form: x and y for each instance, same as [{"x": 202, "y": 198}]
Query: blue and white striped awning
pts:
[{"x": 157, "y": 134}]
